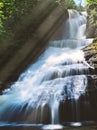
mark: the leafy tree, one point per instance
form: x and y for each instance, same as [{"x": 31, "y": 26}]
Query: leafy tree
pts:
[
  {"x": 11, "y": 12},
  {"x": 90, "y": 2}
]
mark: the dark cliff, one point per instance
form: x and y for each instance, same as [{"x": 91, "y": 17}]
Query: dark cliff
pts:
[{"x": 31, "y": 39}]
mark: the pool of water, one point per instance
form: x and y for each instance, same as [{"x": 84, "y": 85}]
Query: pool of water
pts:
[{"x": 65, "y": 126}]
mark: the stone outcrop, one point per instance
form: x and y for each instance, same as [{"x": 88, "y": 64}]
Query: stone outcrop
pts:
[{"x": 91, "y": 57}]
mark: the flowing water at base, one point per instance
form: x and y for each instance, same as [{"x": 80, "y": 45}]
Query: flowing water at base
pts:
[{"x": 68, "y": 126}]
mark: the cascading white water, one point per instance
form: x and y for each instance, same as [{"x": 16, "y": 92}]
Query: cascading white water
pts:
[
  {"x": 74, "y": 35},
  {"x": 58, "y": 75},
  {"x": 75, "y": 25}
]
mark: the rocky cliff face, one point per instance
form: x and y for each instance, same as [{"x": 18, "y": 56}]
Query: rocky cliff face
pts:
[
  {"x": 91, "y": 51},
  {"x": 91, "y": 54},
  {"x": 91, "y": 57},
  {"x": 30, "y": 41},
  {"x": 91, "y": 31}
]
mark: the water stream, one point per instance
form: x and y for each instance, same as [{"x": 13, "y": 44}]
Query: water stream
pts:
[{"x": 58, "y": 76}]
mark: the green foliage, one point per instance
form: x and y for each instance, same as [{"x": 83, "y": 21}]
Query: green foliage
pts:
[
  {"x": 92, "y": 17},
  {"x": 1, "y": 18},
  {"x": 11, "y": 12},
  {"x": 8, "y": 6},
  {"x": 71, "y": 4},
  {"x": 90, "y": 2},
  {"x": 6, "y": 9},
  {"x": 92, "y": 7},
  {"x": 67, "y": 4},
  {"x": 93, "y": 14}
]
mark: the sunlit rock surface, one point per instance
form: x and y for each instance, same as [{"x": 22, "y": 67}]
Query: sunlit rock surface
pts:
[{"x": 91, "y": 55}]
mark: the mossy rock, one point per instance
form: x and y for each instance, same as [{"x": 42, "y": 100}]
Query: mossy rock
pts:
[
  {"x": 95, "y": 40},
  {"x": 90, "y": 53}
]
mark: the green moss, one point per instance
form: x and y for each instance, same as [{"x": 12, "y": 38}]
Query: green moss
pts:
[{"x": 95, "y": 40}]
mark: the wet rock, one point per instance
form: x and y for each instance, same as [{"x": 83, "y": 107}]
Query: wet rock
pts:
[
  {"x": 91, "y": 57},
  {"x": 92, "y": 90},
  {"x": 90, "y": 53}
]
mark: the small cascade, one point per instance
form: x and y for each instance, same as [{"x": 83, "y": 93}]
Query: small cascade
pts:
[
  {"x": 71, "y": 43},
  {"x": 75, "y": 25},
  {"x": 48, "y": 92},
  {"x": 74, "y": 34}
]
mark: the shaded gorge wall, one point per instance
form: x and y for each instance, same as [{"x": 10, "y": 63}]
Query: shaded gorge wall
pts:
[{"x": 30, "y": 40}]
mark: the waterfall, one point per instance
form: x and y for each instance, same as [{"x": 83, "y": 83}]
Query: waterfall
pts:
[
  {"x": 74, "y": 34},
  {"x": 75, "y": 25},
  {"x": 58, "y": 75}
]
